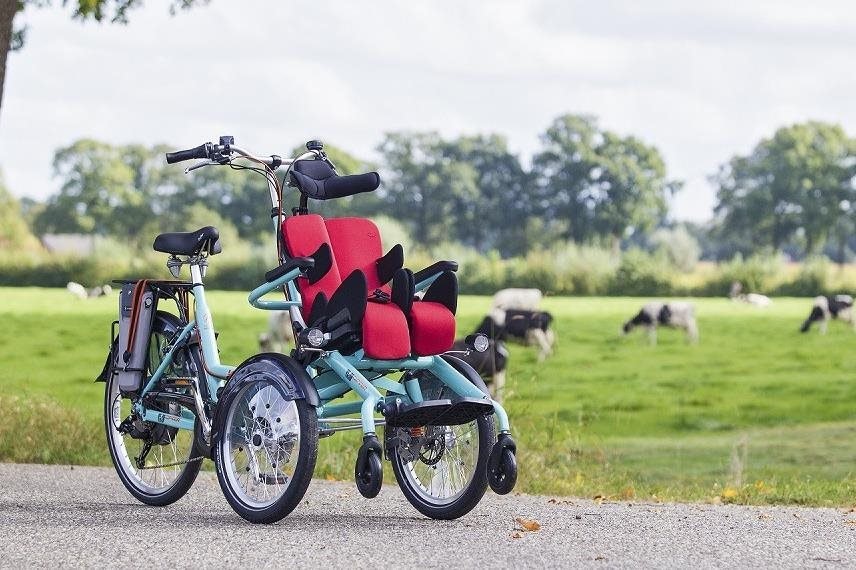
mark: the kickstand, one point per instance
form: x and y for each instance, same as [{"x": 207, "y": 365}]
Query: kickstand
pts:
[{"x": 141, "y": 458}]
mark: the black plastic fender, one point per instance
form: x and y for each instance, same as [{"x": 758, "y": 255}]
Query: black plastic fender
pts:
[
  {"x": 295, "y": 380},
  {"x": 468, "y": 372}
]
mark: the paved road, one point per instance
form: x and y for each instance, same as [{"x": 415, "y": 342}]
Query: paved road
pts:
[{"x": 79, "y": 516}]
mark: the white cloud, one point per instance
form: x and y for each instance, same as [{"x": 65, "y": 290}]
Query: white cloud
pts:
[{"x": 701, "y": 81}]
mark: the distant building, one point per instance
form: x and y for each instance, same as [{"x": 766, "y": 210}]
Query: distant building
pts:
[{"x": 80, "y": 244}]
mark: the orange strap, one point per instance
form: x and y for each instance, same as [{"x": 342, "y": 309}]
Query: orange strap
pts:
[{"x": 136, "y": 299}]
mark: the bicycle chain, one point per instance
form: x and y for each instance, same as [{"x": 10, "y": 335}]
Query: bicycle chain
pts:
[{"x": 162, "y": 465}]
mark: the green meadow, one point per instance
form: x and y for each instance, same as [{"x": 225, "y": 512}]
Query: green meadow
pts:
[{"x": 755, "y": 413}]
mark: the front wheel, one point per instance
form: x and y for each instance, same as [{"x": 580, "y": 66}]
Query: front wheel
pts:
[
  {"x": 441, "y": 470},
  {"x": 267, "y": 447}
]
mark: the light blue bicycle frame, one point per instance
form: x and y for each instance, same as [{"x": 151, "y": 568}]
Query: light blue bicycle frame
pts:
[
  {"x": 214, "y": 373},
  {"x": 336, "y": 375}
]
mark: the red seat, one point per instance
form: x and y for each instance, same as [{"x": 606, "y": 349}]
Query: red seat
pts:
[{"x": 387, "y": 333}]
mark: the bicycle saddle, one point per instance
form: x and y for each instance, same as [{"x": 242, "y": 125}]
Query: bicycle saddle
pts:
[
  {"x": 318, "y": 180},
  {"x": 205, "y": 239}
]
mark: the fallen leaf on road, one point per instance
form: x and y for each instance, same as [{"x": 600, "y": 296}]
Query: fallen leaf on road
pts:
[
  {"x": 530, "y": 525},
  {"x": 763, "y": 516},
  {"x": 600, "y": 557},
  {"x": 516, "y": 534},
  {"x": 850, "y": 522}
]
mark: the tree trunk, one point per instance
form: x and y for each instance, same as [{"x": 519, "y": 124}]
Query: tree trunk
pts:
[
  {"x": 8, "y": 9},
  {"x": 615, "y": 240}
]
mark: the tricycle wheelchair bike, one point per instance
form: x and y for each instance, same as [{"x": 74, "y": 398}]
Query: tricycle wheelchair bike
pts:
[{"x": 364, "y": 325}]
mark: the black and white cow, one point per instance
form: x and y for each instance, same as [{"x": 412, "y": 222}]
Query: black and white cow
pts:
[
  {"x": 674, "y": 314},
  {"x": 491, "y": 363},
  {"x": 826, "y": 308},
  {"x": 532, "y": 328}
]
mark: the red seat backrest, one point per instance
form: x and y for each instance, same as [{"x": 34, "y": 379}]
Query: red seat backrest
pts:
[
  {"x": 356, "y": 245},
  {"x": 303, "y": 236}
]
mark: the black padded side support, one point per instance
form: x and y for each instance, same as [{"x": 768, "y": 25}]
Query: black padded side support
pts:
[
  {"x": 390, "y": 263},
  {"x": 402, "y": 289},
  {"x": 435, "y": 268},
  {"x": 323, "y": 258},
  {"x": 444, "y": 290},
  {"x": 351, "y": 295},
  {"x": 301, "y": 262},
  {"x": 319, "y": 308}
]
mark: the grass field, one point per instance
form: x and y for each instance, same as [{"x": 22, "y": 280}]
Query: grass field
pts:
[{"x": 756, "y": 413}]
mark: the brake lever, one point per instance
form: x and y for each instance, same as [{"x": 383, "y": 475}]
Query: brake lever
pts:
[{"x": 199, "y": 165}]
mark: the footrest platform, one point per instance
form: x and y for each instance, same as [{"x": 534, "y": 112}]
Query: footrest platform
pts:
[{"x": 438, "y": 412}]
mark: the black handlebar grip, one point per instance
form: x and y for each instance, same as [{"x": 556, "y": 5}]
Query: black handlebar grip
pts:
[{"x": 202, "y": 151}]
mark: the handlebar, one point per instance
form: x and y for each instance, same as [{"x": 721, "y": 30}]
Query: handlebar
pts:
[
  {"x": 224, "y": 152},
  {"x": 202, "y": 151}
]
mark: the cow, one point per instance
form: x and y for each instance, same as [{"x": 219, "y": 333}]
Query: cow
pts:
[
  {"x": 491, "y": 363},
  {"x": 826, "y": 308},
  {"x": 82, "y": 292},
  {"x": 279, "y": 334},
  {"x": 674, "y": 314},
  {"x": 532, "y": 328},
  {"x": 754, "y": 299}
]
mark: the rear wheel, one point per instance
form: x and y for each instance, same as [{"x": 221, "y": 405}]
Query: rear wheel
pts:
[
  {"x": 441, "y": 470},
  {"x": 156, "y": 463}
]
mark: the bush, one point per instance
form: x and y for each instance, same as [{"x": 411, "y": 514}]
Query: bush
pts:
[
  {"x": 641, "y": 274},
  {"x": 758, "y": 274},
  {"x": 564, "y": 269},
  {"x": 812, "y": 280}
]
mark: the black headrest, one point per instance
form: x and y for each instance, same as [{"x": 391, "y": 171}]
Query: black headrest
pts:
[{"x": 317, "y": 179}]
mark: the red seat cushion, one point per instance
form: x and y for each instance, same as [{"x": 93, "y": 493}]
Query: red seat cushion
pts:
[
  {"x": 357, "y": 245},
  {"x": 385, "y": 334},
  {"x": 303, "y": 236},
  {"x": 432, "y": 328}
]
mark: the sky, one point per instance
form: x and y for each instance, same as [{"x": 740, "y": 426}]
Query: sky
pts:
[{"x": 701, "y": 81}]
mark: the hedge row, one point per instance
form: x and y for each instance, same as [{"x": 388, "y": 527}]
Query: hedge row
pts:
[{"x": 570, "y": 270}]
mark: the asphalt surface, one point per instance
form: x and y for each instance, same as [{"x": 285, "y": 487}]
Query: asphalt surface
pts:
[{"x": 82, "y": 516}]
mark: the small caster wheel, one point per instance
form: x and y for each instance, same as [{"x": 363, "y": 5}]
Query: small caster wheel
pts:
[
  {"x": 370, "y": 479},
  {"x": 368, "y": 471},
  {"x": 502, "y": 465}
]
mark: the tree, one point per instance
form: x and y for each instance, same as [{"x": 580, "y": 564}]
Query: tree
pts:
[
  {"x": 107, "y": 190},
  {"x": 496, "y": 217},
  {"x": 796, "y": 184},
  {"x": 425, "y": 188},
  {"x": 115, "y": 11},
  {"x": 14, "y": 233},
  {"x": 601, "y": 183}
]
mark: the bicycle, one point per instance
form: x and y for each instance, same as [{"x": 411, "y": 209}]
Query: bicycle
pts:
[{"x": 170, "y": 403}]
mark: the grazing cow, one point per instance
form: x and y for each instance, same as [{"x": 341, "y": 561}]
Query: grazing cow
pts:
[
  {"x": 754, "y": 299},
  {"x": 279, "y": 334},
  {"x": 826, "y": 308},
  {"x": 673, "y": 314},
  {"x": 531, "y": 328},
  {"x": 527, "y": 299},
  {"x": 491, "y": 363},
  {"x": 82, "y": 292}
]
